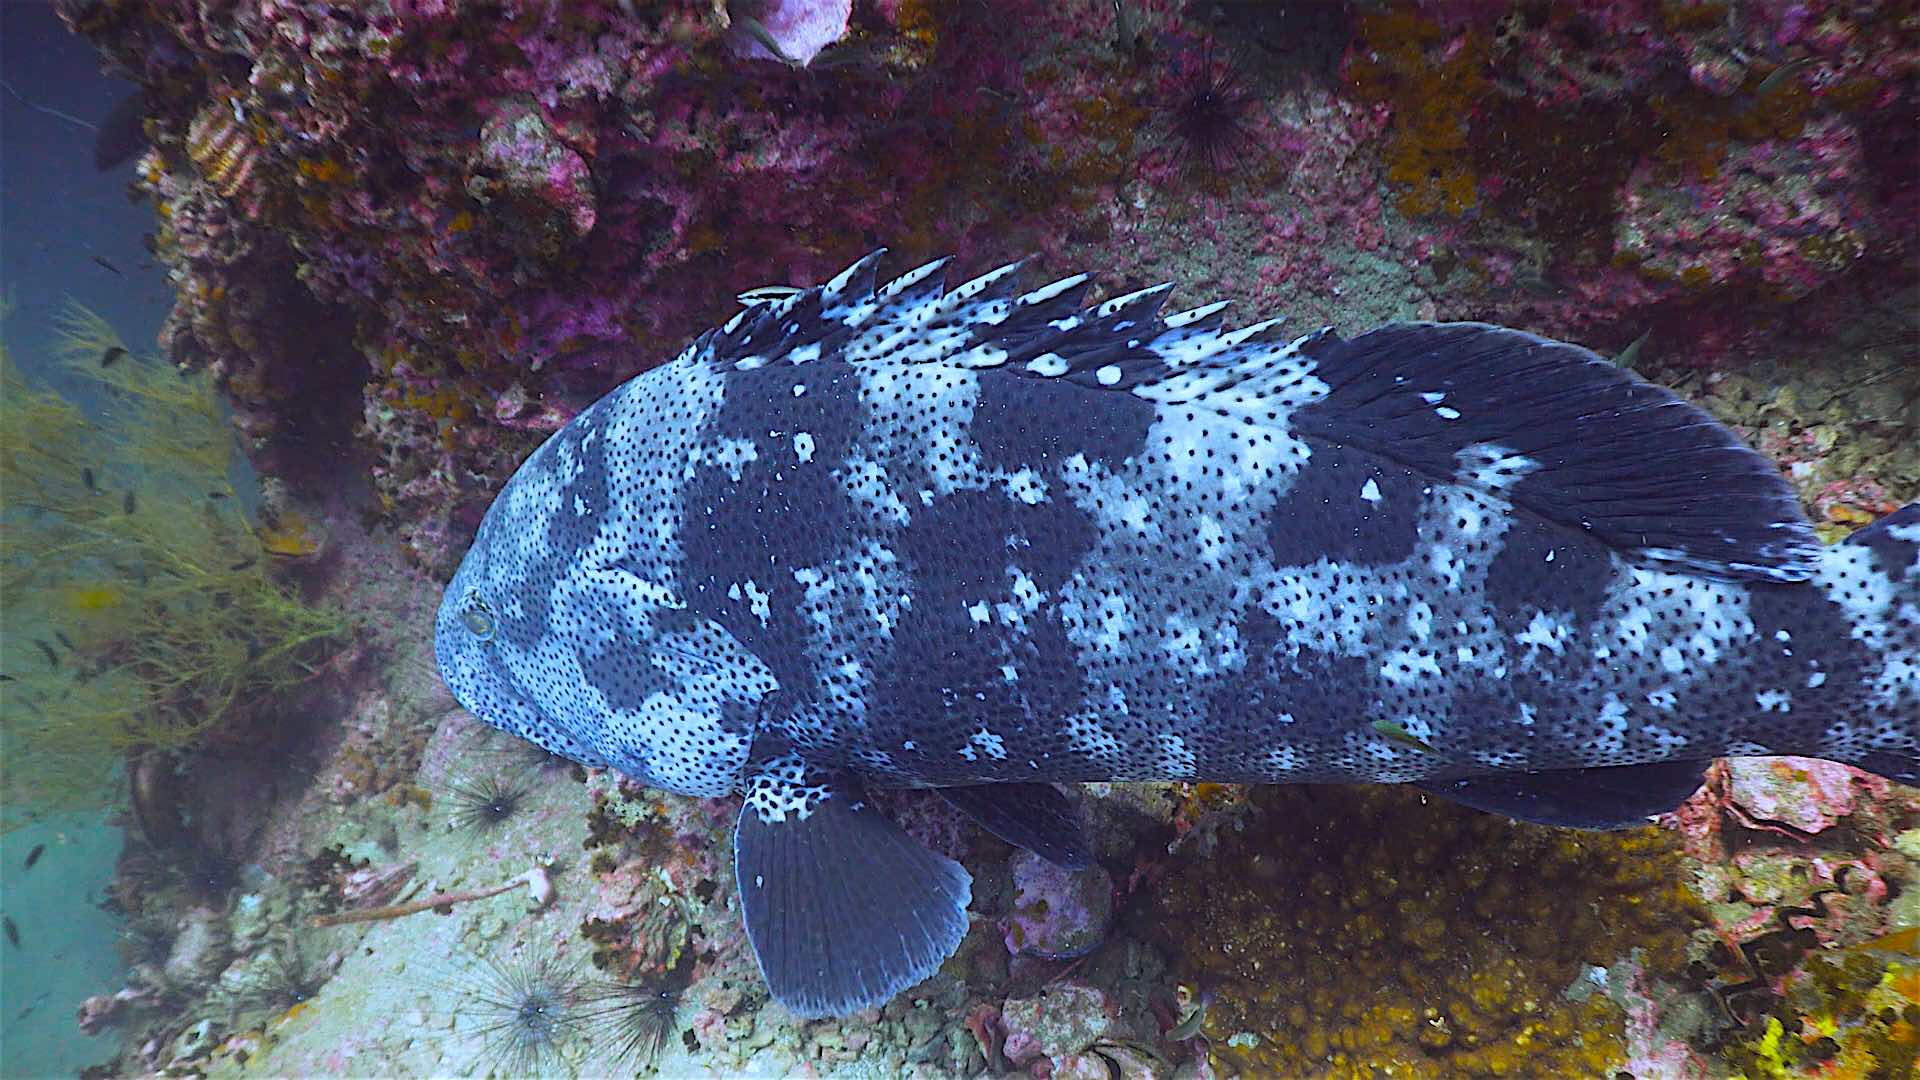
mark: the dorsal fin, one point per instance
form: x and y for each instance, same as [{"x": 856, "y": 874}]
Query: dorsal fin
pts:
[
  {"x": 1548, "y": 426},
  {"x": 1558, "y": 430}
]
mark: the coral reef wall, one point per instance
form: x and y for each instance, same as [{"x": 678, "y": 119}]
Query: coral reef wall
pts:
[{"x": 474, "y": 218}]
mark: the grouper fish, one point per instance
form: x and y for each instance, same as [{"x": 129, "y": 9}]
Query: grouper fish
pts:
[{"x": 991, "y": 538}]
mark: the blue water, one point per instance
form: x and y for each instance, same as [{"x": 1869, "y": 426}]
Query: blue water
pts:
[{"x": 56, "y": 214}]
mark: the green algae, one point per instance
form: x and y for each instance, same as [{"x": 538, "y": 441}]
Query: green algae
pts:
[{"x": 143, "y": 616}]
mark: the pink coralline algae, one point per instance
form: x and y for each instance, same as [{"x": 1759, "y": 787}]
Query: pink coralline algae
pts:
[
  {"x": 1797, "y": 854},
  {"x": 533, "y": 175},
  {"x": 1057, "y": 913},
  {"x": 1792, "y": 214},
  {"x": 799, "y": 28},
  {"x": 1061, "y": 1020},
  {"x": 1804, "y": 795}
]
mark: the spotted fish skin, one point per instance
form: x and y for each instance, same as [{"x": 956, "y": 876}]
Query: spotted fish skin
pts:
[
  {"x": 955, "y": 537},
  {"x": 907, "y": 535}
]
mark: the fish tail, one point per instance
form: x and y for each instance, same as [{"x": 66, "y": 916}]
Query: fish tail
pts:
[{"x": 1873, "y": 580}]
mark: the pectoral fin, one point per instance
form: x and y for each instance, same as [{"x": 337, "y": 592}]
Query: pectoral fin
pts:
[
  {"x": 1611, "y": 797},
  {"x": 843, "y": 909},
  {"x": 1033, "y": 816}
]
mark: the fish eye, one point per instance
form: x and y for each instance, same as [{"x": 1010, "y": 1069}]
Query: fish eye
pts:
[{"x": 477, "y": 617}]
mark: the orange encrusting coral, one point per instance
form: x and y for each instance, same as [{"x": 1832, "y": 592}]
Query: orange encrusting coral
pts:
[
  {"x": 291, "y": 536},
  {"x": 1433, "y": 83}
]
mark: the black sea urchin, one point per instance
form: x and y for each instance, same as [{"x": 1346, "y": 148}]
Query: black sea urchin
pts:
[
  {"x": 210, "y": 870},
  {"x": 482, "y": 806},
  {"x": 527, "y": 1011},
  {"x": 634, "y": 1015},
  {"x": 514, "y": 754},
  {"x": 1209, "y": 115},
  {"x": 281, "y": 983}
]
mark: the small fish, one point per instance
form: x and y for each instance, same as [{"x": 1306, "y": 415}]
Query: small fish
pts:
[
  {"x": 767, "y": 294},
  {"x": 34, "y": 856},
  {"x": 1904, "y": 941},
  {"x": 53, "y": 658},
  {"x": 1389, "y": 729},
  {"x": 112, "y": 356},
  {"x": 1631, "y": 354},
  {"x": 757, "y": 30},
  {"x": 13, "y": 932},
  {"x": 216, "y": 494},
  {"x": 242, "y": 564},
  {"x": 87, "y": 478},
  {"x": 102, "y": 260},
  {"x": 1193, "y": 1009},
  {"x": 1778, "y": 77},
  {"x": 64, "y": 640},
  {"x": 1128, "y": 41},
  {"x": 129, "y": 504},
  {"x": 8, "y": 678}
]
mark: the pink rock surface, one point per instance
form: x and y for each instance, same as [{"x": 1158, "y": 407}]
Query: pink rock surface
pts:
[
  {"x": 1804, "y": 794},
  {"x": 1057, "y": 913},
  {"x": 800, "y": 27}
]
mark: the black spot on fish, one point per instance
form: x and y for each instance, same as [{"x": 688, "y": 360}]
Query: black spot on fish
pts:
[
  {"x": 1349, "y": 506},
  {"x": 1811, "y": 646},
  {"x": 622, "y": 673},
  {"x": 34, "y": 856},
  {"x": 112, "y": 356},
  {"x": 1543, "y": 566},
  {"x": 584, "y": 498},
  {"x": 959, "y": 551},
  {"x": 1299, "y": 692},
  {"x": 1037, "y": 423},
  {"x": 797, "y": 512},
  {"x": 53, "y": 658}
]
